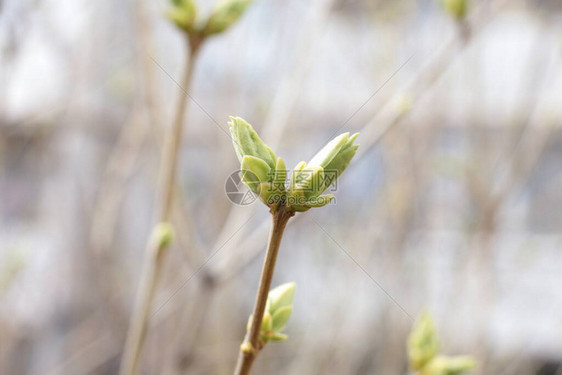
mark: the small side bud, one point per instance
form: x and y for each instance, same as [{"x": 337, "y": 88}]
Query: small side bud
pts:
[
  {"x": 442, "y": 365},
  {"x": 163, "y": 235},
  {"x": 423, "y": 345},
  {"x": 246, "y": 347},
  {"x": 404, "y": 104},
  {"x": 423, "y": 350}
]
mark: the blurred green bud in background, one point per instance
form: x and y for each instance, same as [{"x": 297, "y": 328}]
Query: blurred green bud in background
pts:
[
  {"x": 456, "y": 8},
  {"x": 183, "y": 14},
  {"x": 225, "y": 15},
  {"x": 163, "y": 235},
  {"x": 423, "y": 344},
  {"x": 423, "y": 350},
  {"x": 442, "y": 365}
]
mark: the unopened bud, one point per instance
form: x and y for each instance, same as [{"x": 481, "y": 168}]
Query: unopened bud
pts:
[
  {"x": 163, "y": 234},
  {"x": 225, "y": 15}
]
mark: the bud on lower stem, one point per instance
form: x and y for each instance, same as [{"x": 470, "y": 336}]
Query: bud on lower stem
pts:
[
  {"x": 162, "y": 235},
  {"x": 278, "y": 310},
  {"x": 423, "y": 350}
]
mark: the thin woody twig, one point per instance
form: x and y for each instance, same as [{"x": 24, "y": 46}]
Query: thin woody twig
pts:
[
  {"x": 155, "y": 250},
  {"x": 251, "y": 346}
]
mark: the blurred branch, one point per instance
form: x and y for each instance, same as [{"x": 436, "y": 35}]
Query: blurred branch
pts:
[
  {"x": 120, "y": 166},
  {"x": 83, "y": 359},
  {"x": 170, "y": 151},
  {"x": 106, "y": 213},
  {"x": 488, "y": 192}
]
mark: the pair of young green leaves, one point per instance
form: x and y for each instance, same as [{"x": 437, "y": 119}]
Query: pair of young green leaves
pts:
[
  {"x": 277, "y": 313},
  {"x": 265, "y": 174},
  {"x": 184, "y": 14},
  {"x": 424, "y": 348}
]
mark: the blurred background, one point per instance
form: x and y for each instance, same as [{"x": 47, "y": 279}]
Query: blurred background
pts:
[{"x": 453, "y": 203}]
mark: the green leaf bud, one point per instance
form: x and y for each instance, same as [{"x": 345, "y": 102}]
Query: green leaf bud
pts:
[
  {"x": 281, "y": 317},
  {"x": 423, "y": 344},
  {"x": 442, "y": 365},
  {"x": 278, "y": 337},
  {"x": 270, "y": 193},
  {"x": 247, "y": 142},
  {"x": 280, "y": 175},
  {"x": 458, "y": 365},
  {"x": 328, "y": 152},
  {"x": 312, "y": 180},
  {"x": 249, "y": 324},
  {"x": 246, "y": 347},
  {"x": 282, "y": 296},
  {"x": 250, "y": 180},
  {"x": 267, "y": 173},
  {"x": 296, "y": 173},
  {"x": 225, "y": 15},
  {"x": 267, "y": 322},
  {"x": 404, "y": 103},
  {"x": 163, "y": 235},
  {"x": 254, "y": 172},
  {"x": 268, "y": 303},
  {"x": 277, "y": 312},
  {"x": 183, "y": 13},
  {"x": 340, "y": 161},
  {"x": 456, "y": 8}
]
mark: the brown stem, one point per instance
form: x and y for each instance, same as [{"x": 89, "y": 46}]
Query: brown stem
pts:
[
  {"x": 155, "y": 249},
  {"x": 172, "y": 141},
  {"x": 246, "y": 357}
]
